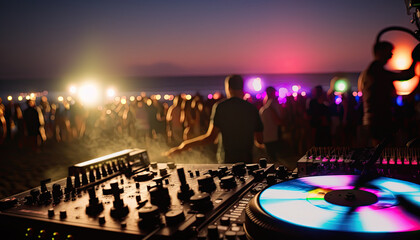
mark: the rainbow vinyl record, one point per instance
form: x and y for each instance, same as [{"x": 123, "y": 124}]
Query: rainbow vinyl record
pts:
[{"x": 329, "y": 206}]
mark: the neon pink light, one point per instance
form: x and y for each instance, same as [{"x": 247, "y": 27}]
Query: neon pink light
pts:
[{"x": 210, "y": 96}]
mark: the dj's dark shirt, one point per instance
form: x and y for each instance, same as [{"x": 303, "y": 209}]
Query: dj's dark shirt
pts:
[{"x": 237, "y": 120}]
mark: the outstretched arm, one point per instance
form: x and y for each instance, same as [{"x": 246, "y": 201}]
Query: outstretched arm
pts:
[{"x": 204, "y": 139}]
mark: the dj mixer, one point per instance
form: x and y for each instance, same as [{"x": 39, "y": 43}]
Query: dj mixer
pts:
[{"x": 125, "y": 196}]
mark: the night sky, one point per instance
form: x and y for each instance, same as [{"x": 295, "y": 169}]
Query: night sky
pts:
[{"x": 197, "y": 37}]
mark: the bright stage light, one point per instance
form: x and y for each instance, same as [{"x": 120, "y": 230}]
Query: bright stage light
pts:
[
  {"x": 303, "y": 94},
  {"x": 295, "y": 88},
  {"x": 283, "y": 92},
  {"x": 20, "y": 98},
  {"x": 110, "y": 92},
  {"x": 158, "y": 97},
  {"x": 210, "y": 96},
  {"x": 27, "y": 97},
  {"x": 166, "y": 97},
  {"x": 69, "y": 98},
  {"x": 132, "y": 98},
  {"x": 256, "y": 84},
  {"x": 341, "y": 85},
  {"x": 188, "y": 97},
  {"x": 401, "y": 59},
  {"x": 294, "y": 94},
  {"x": 9, "y": 98},
  {"x": 73, "y": 89},
  {"x": 60, "y": 98},
  {"x": 123, "y": 101},
  {"x": 89, "y": 94}
]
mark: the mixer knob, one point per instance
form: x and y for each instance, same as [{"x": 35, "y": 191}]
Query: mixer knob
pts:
[
  {"x": 238, "y": 169},
  {"x": 63, "y": 214},
  {"x": 91, "y": 176},
  {"x": 213, "y": 233},
  {"x": 109, "y": 169},
  {"x": 206, "y": 184},
  {"x": 57, "y": 192},
  {"x": 223, "y": 169},
  {"x": 154, "y": 165},
  {"x": 173, "y": 217},
  {"x": 35, "y": 193},
  {"x": 230, "y": 235},
  {"x": 263, "y": 162},
  {"x": 159, "y": 195},
  {"x": 225, "y": 221},
  {"x": 191, "y": 173},
  {"x": 84, "y": 178},
  {"x": 76, "y": 180},
  {"x": 163, "y": 172},
  {"x": 228, "y": 182},
  {"x": 185, "y": 192},
  {"x": 69, "y": 185},
  {"x": 199, "y": 218},
  {"x": 45, "y": 195},
  {"x": 171, "y": 165},
  {"x": 149, "y": 216},
  {"x": 51, "y": 212},
  {"x": 101, "y": 219},
  {"x": 114, "y": 167},
  {"x": 103, "y": 170},
  {"x": 201, "y": 202},
  {"x": 98, "y": 173}
]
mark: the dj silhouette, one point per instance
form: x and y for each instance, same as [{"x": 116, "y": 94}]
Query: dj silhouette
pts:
[{"x": 378, "y": 90}]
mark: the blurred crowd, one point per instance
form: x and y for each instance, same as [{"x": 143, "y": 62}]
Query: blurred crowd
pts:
[{"x": 319, "y": 118}]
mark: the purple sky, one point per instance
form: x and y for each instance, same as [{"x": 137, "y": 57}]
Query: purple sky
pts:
[{"x": 159, "y": 38}]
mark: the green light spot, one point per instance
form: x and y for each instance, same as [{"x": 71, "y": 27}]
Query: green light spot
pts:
[{"x": 341, "y": 85}]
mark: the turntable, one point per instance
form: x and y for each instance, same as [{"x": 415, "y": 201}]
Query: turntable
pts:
[{"x": 327, "y": 207}]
